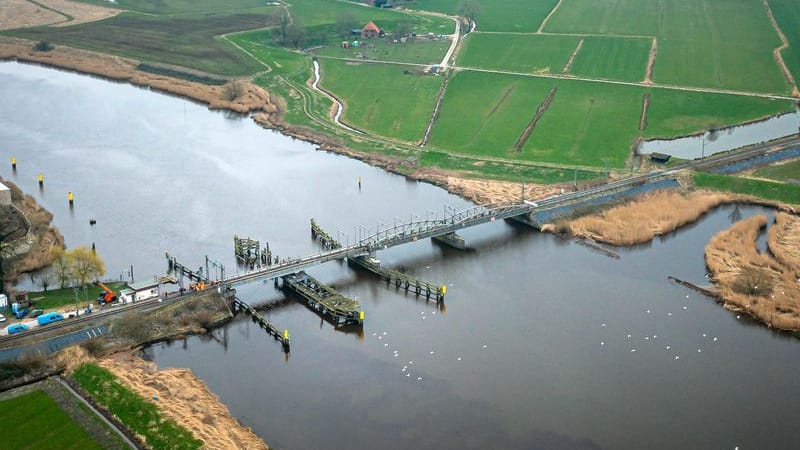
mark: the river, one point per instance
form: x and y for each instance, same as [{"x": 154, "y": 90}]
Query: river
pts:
[{"x": 531, "y": 351}]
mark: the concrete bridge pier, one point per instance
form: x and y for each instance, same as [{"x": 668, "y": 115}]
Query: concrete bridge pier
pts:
[
  {"x": 525, "y": 219},
  {"x": 452, "y": 240}
]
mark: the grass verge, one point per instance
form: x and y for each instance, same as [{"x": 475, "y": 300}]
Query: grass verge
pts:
[
  {"x": 768, "y": 190},
  {"x": 141, "y": 416}
]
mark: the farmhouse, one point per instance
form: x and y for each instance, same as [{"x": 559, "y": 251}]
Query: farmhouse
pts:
[{"x": 371, "y": 30}]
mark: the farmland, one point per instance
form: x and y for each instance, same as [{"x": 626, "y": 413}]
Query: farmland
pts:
[
  {"x": 787, "y": 14},
  {"x": 612, "y": 58},
  {"x": 787, "y": 172},
  {"x": 401, "y": 111},
  {"x": 418, "y": 51},
  {"x": 498, "y": 15},
  {"x": 517, "y": 53}
]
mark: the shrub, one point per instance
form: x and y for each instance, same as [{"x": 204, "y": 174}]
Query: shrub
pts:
[
  {"x": 754, "y": 281},
  {"x": 233, "y": 90},
  {"x": 43, "y": 46}
]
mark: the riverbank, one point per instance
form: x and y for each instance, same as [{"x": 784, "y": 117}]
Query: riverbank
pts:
[
  {"x": 759, "y": 284},
  {"x": 31, "y": 251}
]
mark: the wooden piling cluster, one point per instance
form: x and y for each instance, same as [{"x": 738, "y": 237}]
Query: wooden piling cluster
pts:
[
  {"x": 282, "y": 337},
  {"x": 401, "y": 280},
  {"x": 326, "y": 240},
  {"x": 249, "y": 252},
  {"x": 324, "y": 299}
]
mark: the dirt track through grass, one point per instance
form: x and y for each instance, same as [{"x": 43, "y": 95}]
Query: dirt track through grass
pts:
[{"x": 526, "y": 133}]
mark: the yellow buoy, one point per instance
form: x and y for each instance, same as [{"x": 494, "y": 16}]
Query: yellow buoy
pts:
[
  {"x": 70, "y": 197},
  {"x": 14, "y": 163},
  {"x": 41, "y": 179}
]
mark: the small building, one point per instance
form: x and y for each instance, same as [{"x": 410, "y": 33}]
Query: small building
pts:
[
  {"x": 136, "y": 292},
  {"x": 371, "y": 30},
  {"x": 5, "y": 195},
  {"x": 345, "y": 44},
  {"x": 660, "y": 158}
]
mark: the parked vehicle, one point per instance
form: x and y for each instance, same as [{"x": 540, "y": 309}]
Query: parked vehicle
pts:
[
  {"x": 16, "y": 328},
  {"x": 20, "y": 310},
  {"x": 49, "y": 318},
  {"x": 36, "y": 313},
  {"x": 107, "y": 296},
  {"x": 2, "y": 318}
]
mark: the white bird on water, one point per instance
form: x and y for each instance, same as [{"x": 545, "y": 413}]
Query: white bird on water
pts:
[
  {"x": 715, "y": 339},
  {"x": 677, "y": 357}
]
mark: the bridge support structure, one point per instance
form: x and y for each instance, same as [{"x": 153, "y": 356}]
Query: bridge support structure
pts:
[
  {"x": 452, "y": 239},
  {"x": 400, "y": 280},
  {"x": 525, "y": 219},
  {"x": 323, "y": 299},
  {"x": 282, "y": 337}
]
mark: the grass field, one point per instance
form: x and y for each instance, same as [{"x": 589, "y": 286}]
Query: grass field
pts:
[
  {"x": 483, "y": 114},
  {"x": 186, "y": 41},
  {"x": 420, "y": 51},
  {"x": 786, "y": 193},
  {"x": 136, "y": 413},
  {"x": 34, "y": 421},
  {"x": 381, "y": 98},
  {"x": 160, "y": 7},
  {"x": 498, "y": 15},
  {"x": 612, "y": 58},
  {"x": 787, "y": 14},
  {"x": 517, "y": 53},
  {"x": 673, "y": 113},
  {"x": 587, "y": 125},
  {"x": 781, "y": 172},
  {"x": 697, "y": 44},
  {"x": 506, "y": 172},
  {"x": 55, "y": 298}
]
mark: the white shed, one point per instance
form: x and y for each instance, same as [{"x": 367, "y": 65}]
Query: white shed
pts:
[{"x": 142, "y": 290}]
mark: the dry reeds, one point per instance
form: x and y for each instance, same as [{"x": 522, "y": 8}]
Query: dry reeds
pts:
[
  {"x": 650, "y": 215},
  {"x": 754, "y": 282}
]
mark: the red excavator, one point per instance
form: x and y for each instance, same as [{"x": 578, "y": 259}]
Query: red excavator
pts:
[{"x": 107, "y": 296}]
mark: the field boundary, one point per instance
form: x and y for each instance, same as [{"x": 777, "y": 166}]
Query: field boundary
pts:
[
  {"x": 645, "y": 107},
  {"x": 574, "y": 54},
  {"x": 777, "y": 52},
  {"x": 651, "y": 62},
  {"x": 547, "y": 18},
  {"x": 526, "y": 133}
]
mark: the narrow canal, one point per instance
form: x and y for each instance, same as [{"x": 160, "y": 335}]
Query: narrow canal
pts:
[{"x": 542, "y": 343}]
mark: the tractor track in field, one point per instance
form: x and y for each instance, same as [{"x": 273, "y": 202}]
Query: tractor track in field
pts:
[{"x": 777, "y": 52}]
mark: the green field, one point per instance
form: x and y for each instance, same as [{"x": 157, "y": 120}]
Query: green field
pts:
[
  {"x": 483, "y": 114},
  {"x": 787, "y": 14},
  {"x": 55, "y": 298},
  {"x": 782, "y": 172},
  {"x": 419, "y": 51},
  {"x": 186, "y": 41},
  {"x": 504, "y": 171},
  {"x": 498, "y": 15},
  {"x": 676, "y": 113},
  {"x": 786, "y": 193},
  {"x": 180, "y": 6},
  {"x": 35, "y": 421},
  {"x": 138, "y": 414},
  {"x": 517, "y": 53},
  {"x": 612, "y": 58},
  {"x": 719, "y": 44},
  {"x": 382, "y": 98}
]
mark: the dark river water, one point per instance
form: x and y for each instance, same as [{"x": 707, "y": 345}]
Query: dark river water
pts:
[{"x": 542, "y": 343}]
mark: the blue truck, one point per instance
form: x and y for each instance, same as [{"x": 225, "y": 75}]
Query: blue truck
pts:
[{"x": 49, "y": 318}]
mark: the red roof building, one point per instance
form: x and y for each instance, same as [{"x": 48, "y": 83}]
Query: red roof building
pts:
[{"x": 371, "y": 30}]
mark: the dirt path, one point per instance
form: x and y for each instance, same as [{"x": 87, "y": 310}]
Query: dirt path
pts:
[
  {"x": 546, "y": 19},
  {"x": 645, "y": 107},
  {"x": 23, "y": 14},
  {"x": 526, "y": 133},
  {"x": 777, "y": 51},
  {"x": 185, "y": 399},
  {"x": 79, "y": 12},
  {"x": 651, "y": 62},
  {"x": 568, "y": 65}
]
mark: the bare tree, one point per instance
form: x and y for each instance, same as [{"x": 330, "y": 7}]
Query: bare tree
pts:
[
  {"x": 470, "y": 9},
  {"x": 282, "y": 19},
  {"x": 297, "y": 34},
  {"x": 346, "y": 22}
]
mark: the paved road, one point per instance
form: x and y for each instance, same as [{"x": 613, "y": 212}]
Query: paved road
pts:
[{"x": 54, "y": 344}]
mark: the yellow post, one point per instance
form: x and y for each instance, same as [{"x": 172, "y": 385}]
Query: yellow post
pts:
[
  {"x": 443, "y": 289},
  {"x": 70, "y": 197},
  {"x": 41, "y": 180},
  {"x": 361, "y": 316},
  {"x": 14, "y": 163},
  {"x": 285, "y": 335}
]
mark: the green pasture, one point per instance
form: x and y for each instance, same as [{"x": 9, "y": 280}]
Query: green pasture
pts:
[
  {"x": 484, "y": 114},
  {"x": 417, "y": 51},
  {"x": 612, "y": 58},
  {"x": 719, "y": 44},
  {"x": 281, "y": 61},
  {"x": 383, "y": 98},
  {"x": 185, "y": 41},
  {"x": 588, "y": 124},
  {"x": 517, "y": 53},
  {"x": 34, "y": 421},
  {"x": 787, "y": 193},
  {"x": 498, "y": 15},
  {"x": 787, "y": 14},
  {"x": 678, "y": 113},
  {"x": 505, "y": 171},
  {"x": 327, "y": 13},
  {"x": 781, "y": 172}
]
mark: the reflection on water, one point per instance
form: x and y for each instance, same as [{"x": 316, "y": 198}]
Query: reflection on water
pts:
[
  {"x": 543, "y": 343},
  {"x": 717, "y": 141}
]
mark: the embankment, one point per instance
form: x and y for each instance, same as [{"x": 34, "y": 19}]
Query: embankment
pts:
[{"x": 756, "y": 283}]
